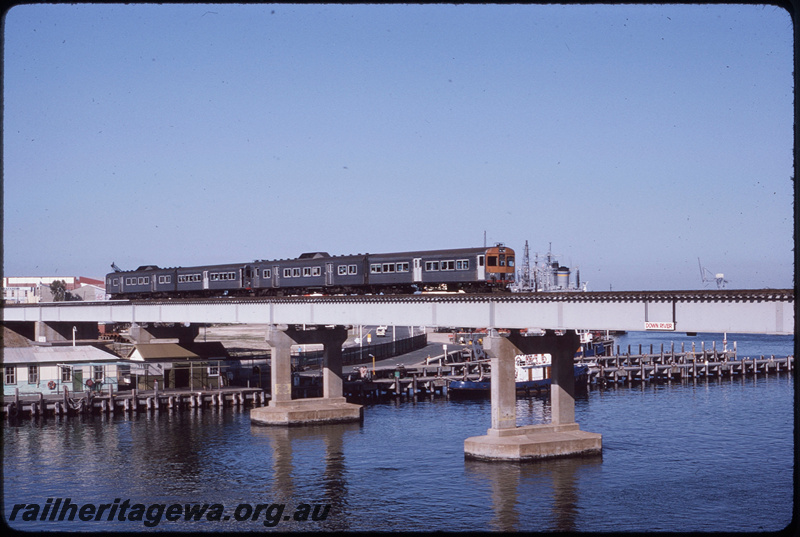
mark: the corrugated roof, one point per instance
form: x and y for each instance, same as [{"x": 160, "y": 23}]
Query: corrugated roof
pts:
[{"x": 40, "y": 355}]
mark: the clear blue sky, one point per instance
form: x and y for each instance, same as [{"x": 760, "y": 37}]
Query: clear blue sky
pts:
[{"x": 635, "y": 139}]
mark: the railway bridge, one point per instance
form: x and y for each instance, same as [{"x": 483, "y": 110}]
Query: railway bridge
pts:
[{"x": 323, "y": 319}]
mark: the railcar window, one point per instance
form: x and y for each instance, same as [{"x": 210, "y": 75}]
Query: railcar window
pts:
[
  {"x": 462, "y": 264},
  {"x": 342, "y": 270},
  {"x": 448, "y": 265},
  {"x": 296, "y": 272},
  {"x": 287, "y": 273},
  {"x": 306, "y": 272},
  {"x": 188, "y": 278},
  {"x": 267, "y": 273},
  {"x": 511, "y": 261},
  {"x": 388, "y": 267},
  {"x": 144, "y": 280},
  {"x": 431, "y": 266},
  {"x": 491, "y": 261},
  {"x": 403, "y": 267},
  {"x": 375, "y": 269},
  {"x": 165, "y": 279},
  {"x": 352, "y": 269},
  {"x": 502, "y": 260},
  {"x": 116, "y": 282},
  {"x": 316, "y": 271}
]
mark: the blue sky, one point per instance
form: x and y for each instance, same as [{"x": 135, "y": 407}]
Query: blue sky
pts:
[{"x": 635, "y": 139}]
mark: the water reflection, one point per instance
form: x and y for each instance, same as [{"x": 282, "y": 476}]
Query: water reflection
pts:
[
  {"x": 551, "y": 499},
  {"x": 287, "y": 442}
]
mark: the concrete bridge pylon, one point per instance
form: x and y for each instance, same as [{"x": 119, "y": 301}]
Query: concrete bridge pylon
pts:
[
  {"x": 332, "y": 407},
  {"x": 562, "y": 437}
]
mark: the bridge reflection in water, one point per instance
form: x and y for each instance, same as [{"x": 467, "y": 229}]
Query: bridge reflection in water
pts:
[
  {"x": 283, "y": 460},
  {"x": 555, "y": 482}
]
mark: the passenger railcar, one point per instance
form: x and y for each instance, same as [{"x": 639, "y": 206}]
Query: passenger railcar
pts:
[{"x": 463, "y": 269}]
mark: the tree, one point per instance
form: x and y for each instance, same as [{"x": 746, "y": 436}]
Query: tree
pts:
[{"x": 59, "y": 290}]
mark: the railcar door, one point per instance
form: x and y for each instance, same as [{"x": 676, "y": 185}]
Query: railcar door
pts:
[
  {"x": 247, "y": 277},
  {"x": 328, "y": 273},
  {"x": 417, "y": 269},
  {"x": 205, "y": 279},
  {"x": 481, "y": 267},
  {"x": 276, "y": 281}
]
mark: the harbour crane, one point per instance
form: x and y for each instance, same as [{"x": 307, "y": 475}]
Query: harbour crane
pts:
[{"x": 707, "y": 276}]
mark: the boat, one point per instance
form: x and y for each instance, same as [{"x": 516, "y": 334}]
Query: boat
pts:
[{"x": 531, "y": 372}]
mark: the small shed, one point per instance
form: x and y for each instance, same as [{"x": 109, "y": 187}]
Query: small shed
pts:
[{"x": 176, "y": 366}]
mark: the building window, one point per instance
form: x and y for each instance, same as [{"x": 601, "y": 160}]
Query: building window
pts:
[
  {"x": 66, "y": 374},
  {"x": 33, "y": 374},
  {"x": 97, "y": 373},
  {"x": 11, "y": 374},
  {"x": 213, "y": 370}
]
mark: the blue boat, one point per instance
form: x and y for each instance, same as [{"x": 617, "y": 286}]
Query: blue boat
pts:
[{"x": 531, "y": 372}]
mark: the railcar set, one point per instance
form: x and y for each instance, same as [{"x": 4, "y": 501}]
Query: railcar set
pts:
[{"x": 484, "y": 269}]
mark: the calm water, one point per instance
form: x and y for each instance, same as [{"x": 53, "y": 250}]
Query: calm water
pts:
[{"x": 707, "y": 456}]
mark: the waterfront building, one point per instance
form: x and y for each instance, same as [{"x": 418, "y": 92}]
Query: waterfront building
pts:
[{"x": 48, "y": 369}]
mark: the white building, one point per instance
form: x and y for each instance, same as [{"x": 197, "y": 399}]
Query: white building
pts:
[{"x": 32, "y": 290}]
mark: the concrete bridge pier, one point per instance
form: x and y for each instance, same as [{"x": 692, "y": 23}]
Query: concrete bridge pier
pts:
[
  {"x": 332, "y": 407},
  {"x": 562, "y": 437}
]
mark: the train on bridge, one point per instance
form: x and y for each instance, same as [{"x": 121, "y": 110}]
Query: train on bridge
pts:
[{"x": 484, "y": 269}]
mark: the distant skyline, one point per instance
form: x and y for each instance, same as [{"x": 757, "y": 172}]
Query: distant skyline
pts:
[{"x": 635, "y": 139}]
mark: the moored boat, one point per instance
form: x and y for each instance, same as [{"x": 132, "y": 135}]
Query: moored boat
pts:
[{"x": 531, "y": 372}]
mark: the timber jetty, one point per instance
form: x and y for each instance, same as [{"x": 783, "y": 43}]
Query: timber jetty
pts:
[
  {"x": 133, "y": 401},
  {"x": 674, "y": 365}
]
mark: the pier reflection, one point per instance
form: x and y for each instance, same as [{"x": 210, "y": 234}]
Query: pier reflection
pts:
[
  {"x": 551, "y": 499},
  {"x": 292, "y": 445}
]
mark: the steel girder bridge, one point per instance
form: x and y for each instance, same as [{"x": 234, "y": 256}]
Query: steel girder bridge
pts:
[{"x": 762, "y": 311}]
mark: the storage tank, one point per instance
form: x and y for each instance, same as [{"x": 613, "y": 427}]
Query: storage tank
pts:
[{"x": 562, "y": 277}]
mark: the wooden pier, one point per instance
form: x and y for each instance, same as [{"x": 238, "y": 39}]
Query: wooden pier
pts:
[
  {"x": 674, "y": 365},
  {"x": 133, "y": 401}
]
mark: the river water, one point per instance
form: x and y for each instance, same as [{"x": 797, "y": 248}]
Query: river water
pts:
[{"x": 705, "y": 455}]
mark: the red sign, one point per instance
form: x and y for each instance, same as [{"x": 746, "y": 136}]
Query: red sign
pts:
[{"x": 648, "y": 325}]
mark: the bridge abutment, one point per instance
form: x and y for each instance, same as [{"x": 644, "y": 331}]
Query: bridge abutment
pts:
[
  {"x": 332, "y": 407},
  {"x": 562, "y": 437}
]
